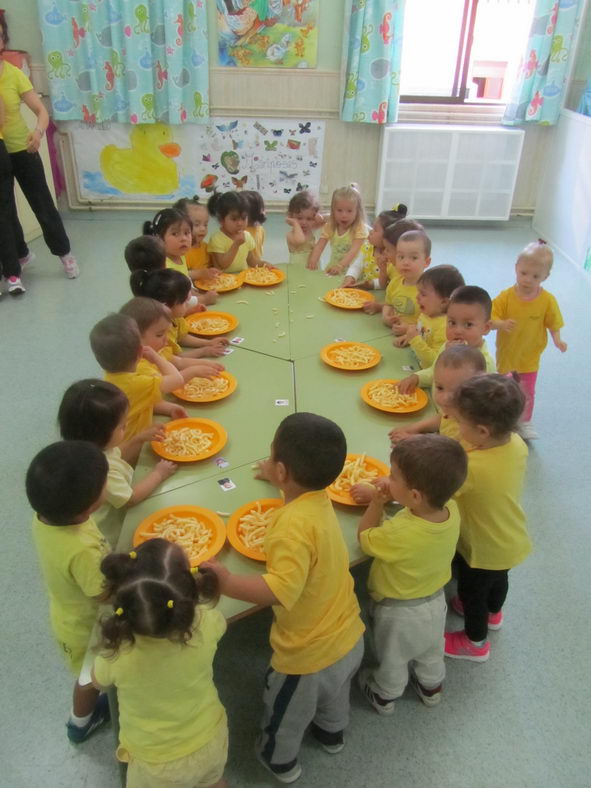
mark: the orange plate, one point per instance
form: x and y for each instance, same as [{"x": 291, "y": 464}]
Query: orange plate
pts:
[
  {"x": 370, "y": 464},
  {"x": 363, "y": 295},
  {"x": 326, "y": 355},
  {"x": 214, "y": 523},
  {"x": 180, "y": 393},
  {"x": 233, "y": 284},
  {"x": 279, "y": 277},
  {"x": 232, "y": 526},
  {"x": 220, "y": 438},
  {"x": 193, "y": 321},
  {"x": 422, "y": 398}
]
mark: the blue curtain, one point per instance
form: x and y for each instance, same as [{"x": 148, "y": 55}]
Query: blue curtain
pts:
[
  {"x": 127, "y": 62},
  {"x": 538, "y": 91},
  {"x": 372, "y": 51}
]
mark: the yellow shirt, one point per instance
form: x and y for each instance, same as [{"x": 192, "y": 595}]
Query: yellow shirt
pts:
[
  {"x": 340, "y": 244},
  {"x": 493, "y": 534},
  {"x": 168, "y": 704},
  {"x": 219, "y": 243},
  {"x": 402, "y": 298},
  {"x": 13, "y": 84},
  {"x": 412, "y": 556},
  {"x": 197, "y": 257},
  {"x": 449, "y": 427},
  {"x": 180, "y": 267},
  {"x": 318, "y": 620},
  {"x": 70, "y": 557},
  {"x": 258, "y": 234},
  {"x": 178, "y": 328},
  {"x": 109, "y": 516},
  {"x": 520, "y": 350},
  {"x": 143, "y": 392},
  {"x": 431, "y": 338}
]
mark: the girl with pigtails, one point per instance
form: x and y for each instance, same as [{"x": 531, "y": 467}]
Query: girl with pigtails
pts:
[{"x": 157, "y": 649}]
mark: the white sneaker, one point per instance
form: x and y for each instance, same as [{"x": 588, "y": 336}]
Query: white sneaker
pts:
[
  {"x": 70, "y": 266},
  {"x": 527, "y": 431},
  {"x": 15, "y": 286},
  {"x": 30, "y": 257}
]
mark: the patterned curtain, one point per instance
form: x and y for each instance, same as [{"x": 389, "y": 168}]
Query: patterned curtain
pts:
[
  {"x": 372, "y": 50},
  {"x": 127, "y": 62},
  {"x": 538, "y": 91}
]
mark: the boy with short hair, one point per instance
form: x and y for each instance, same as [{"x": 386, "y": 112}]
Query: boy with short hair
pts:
[
  {"x": 65, "y": 484},
  {"x": 412, "y": 554},
  {"x": 317, "y": 633},
  {"x": 117, "y": 346},
  {"x": 411, "y": 254}
]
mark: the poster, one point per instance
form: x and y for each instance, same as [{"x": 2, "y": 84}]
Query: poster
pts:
[
  {"x": 267, "y": 33},
  {"x": 158, "y": 163}
]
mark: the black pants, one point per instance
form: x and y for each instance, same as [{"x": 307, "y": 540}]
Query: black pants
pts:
[
  {"x": 8, "y": 246},
  {"x": 27, "y": 168},
  {"x": 482, "y": 591}
]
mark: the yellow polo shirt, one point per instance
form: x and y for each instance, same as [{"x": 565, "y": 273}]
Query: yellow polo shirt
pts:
[
  {"x": 431, "y": 339},
  {"x": 109, "y": 517},
  {"x": 13, "y": 84},
  {"x": 178, "y": 328},
  {"x": 180, "y": 267},
  {"x": 258, "y": 234},
  {"x": 219, "y": 243},
  {"x": 143, "y": 392},
  {"x": 402, "y": 298}
]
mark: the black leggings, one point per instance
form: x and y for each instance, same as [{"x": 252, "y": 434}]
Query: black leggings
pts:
[
  {"x": 8, "y": 247},
  {"x": 482, "y": 591},
  {"x": 27, "y": 168}
]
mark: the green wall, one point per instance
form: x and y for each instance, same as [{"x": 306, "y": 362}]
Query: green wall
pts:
[{"x": 23, "y": 25}]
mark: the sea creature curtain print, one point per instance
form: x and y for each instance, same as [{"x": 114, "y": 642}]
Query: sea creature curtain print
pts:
[
  {"x": 268, "y": 33},
  {"x": 372, "y": 51},
  {"x": 125, "y": 61}
]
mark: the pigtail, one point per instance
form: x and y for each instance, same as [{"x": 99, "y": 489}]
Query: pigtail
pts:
[
  {"x": 148, "y": 228},
  {"x": 117, "y": 569},
  {"x": 137, "y": 282},
  {"x": 213, "y": 203},
  {"x": 116, "y": 631},
  {"x": 207, "y": 586}
]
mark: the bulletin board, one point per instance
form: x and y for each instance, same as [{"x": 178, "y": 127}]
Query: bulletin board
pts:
[{"x": 153, "y": 162}]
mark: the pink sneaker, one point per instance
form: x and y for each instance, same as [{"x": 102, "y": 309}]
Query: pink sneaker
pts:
[
  {"x": 70, "y": 266},
  {"x": 495, "y": 620},
  {"x": 459, "y": 646},
  {"x": 15, "y": 286}
]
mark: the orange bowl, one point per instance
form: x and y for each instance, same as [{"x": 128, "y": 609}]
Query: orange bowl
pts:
[
  {"x": 148, "y": 529},
  {"x": 233, "y": 525},
  {"x": 334, "y": 297},
  {"x": 225, "y": 282},
  {"x": 420, "y": 401},
  {"x": 198, "y": 325},
  {"x": 212, "y": 428},
  {"x": 249, "y": 277},
  {"x": 187, "y": 397},
  {"x": 327, "y": 354},
  {"x": 344, "y": 496}
]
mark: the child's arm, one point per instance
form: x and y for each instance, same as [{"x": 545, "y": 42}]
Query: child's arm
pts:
[
  {"x": 425, "y": 425},
  {"x": 559, "y": 343},
  {"x": 316, "y": 254},
  {"x": 206, "y": 369},
  {"x": 382, "y": 262},
  {"x": 214, "y": 346},
  {"x": 149, "y": 483},
  {"x": 170, "y": 409},
  {"x": 408, "y": 384},
  {"x": 253, "y": 260},
  {"x": 373, "y": 307},
  {"x": 223, "y": 260},
  {"x": 248, "y": 588},
  {"x": 203, "y": 274},
  {"x": 295, "y": 235},
  {"x": 353, "y": 272},
  {"x": 389, "y": 315},
  {"x": 372, "y": 516},
  {"x": 347, "y": 259},
  {"x": 131, "y": 448},
  {"x": 503, "y": 325},
  {"x": 171, "y": 377}
]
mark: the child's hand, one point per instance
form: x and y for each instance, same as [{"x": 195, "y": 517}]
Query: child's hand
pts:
[
  {"x": 399, "y": 329},
  {"x": 214, "y": 566},
  {"x": 382, "y": 485},
  {"x": 262, "y": 470},
  {"x": 207, "y": 369},
  {"x": 401, "y": 341},
  {"x": 208, "y": 298},
  {"x": 205, "y": 274},
  {"x": 363, "y": 284},
  {"x": 363, "y": 493},
  {"x": 149, "y": 354},
  {"x": 508, "y": 325},
  {"x": 409, "y": 384},
  {"x": 216, "y": 347},
  {"x": 165, "y": 469},
  {"x": 155, "y": 432},
  {"x": 372, "y": 308},
  {"x": 348, "y": 281},
  {"x": 411, "y": 332},
  {"x": 291, "y": 221},
  {"x": 312, "y": 265},
  {"x": 319, "y": 220},
  {"x": 390, "y": 320},
  {"x": 178, "y": 412},
  {"x": 334, "y": 270},
  {"x": 562, "y": 346},
  {"x": 396, "y": 436},
  {"x": 239, "y": 238}
]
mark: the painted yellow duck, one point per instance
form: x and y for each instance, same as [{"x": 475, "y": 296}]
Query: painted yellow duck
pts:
[{"x": 147, "y": 167}]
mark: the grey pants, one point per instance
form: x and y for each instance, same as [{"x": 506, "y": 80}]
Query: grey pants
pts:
[{"x": 292, "y": 702}]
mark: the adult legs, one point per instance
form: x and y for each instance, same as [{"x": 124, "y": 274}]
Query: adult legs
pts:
[{"x": 8, "y": 247}]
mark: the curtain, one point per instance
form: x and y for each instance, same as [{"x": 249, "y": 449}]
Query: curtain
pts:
[
  {"x": 539, "y": 88},
  {"x": 127, "y": 62},
  {"x": 372, "y": 50}
]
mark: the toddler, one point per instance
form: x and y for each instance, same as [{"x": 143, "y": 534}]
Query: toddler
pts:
[
  {"x": 411, "y": 254},
  {"x": 364, "y": 271},
  {"x": 117, "y": 347},
  {"x": 412, "y": 555},
  {"x": 493, "y": 534},
  {"x": 96, "y": 411},
  {"x": 232, "y": 248},
  {"x": 158, "y": 647},
  {"x": 197, "y": 258},
  {"x": 303, "y": 217},
  {"x": 345, "y": 230},
  {"x": 65, "y": 485},
  {"x": 256, "y": 218},
  {"x": 317, "y": 634},
  {"x": 523, "y": 315}
]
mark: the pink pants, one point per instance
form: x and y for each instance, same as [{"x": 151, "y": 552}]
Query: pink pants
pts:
[{"x": 528, "y": 384}]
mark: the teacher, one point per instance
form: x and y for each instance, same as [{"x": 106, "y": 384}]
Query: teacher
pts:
[
  {"x": 23, "y": 146},
  {"x": 9, "y": 265}
]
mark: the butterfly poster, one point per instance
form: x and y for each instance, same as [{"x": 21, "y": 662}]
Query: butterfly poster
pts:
[
  {"x": 275, "y": 157},
  {"x": 267, "y": 33}
]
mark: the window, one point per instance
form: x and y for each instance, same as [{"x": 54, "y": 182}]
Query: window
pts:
[{"x": 462, "y": 51}]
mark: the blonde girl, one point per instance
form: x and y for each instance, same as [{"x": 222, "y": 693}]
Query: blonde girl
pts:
[{"x": 345, "y": 230}]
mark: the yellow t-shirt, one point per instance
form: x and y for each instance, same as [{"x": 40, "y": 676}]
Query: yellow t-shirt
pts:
[
  {"x": 70, "y": 557},
  {"x": 178, "y": 328},
  {"x": 369, "y": 270},
  {"x": 13, "y": 84},
  {"x": 431, "y": 338},
  {"x": 143, "y": 392},
  {"x": 412, "y": 556},
  {"x": 109, "y": 516},
  {"x": 340, "y": 244},
  {"x": 219, "y": 243},
  {"x": 197, "y": 257},
  {"x": 180, "y": 267},
  {"x": 493, "y": 534},
  {"x": 402, "y": 298},
  {"x": 520, "y": 350},
  {"x": 318, "y": 620},
  {"x": 258, "y": 234},
  {"x": 168, "y": 704},
  {"x": 449, "y": 427}
]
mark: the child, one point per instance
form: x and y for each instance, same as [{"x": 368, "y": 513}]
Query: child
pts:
[
  {"x": 175, "y": 229},
  {"x": 232, "y": 248},
  {"x": 158, "y": 648},
  {"x": 65, "y": 485},
  {"x": 256, "y": 218},
  {"x": 434, "y": 290},
  {"x": 117, "y": 346},
  {"x": 197, "y": 258},
  {"x": 411, "y": 254},
  {"x": 96, "y": 411},
  {"x": 468, "y": 322},
  {"x": 173, "y": 290},
  {"x": 493, "y": 534},
  {"x": 316, "y": 635},
  {"x": 412, "y": 555},
  {"x": 523, "y": 315},
  {"x": 364, "y": 272},
  {"x": 145, "y": 253},
  {"x": 345, "y": 230},
  {"x": 303, "y": 217}
]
